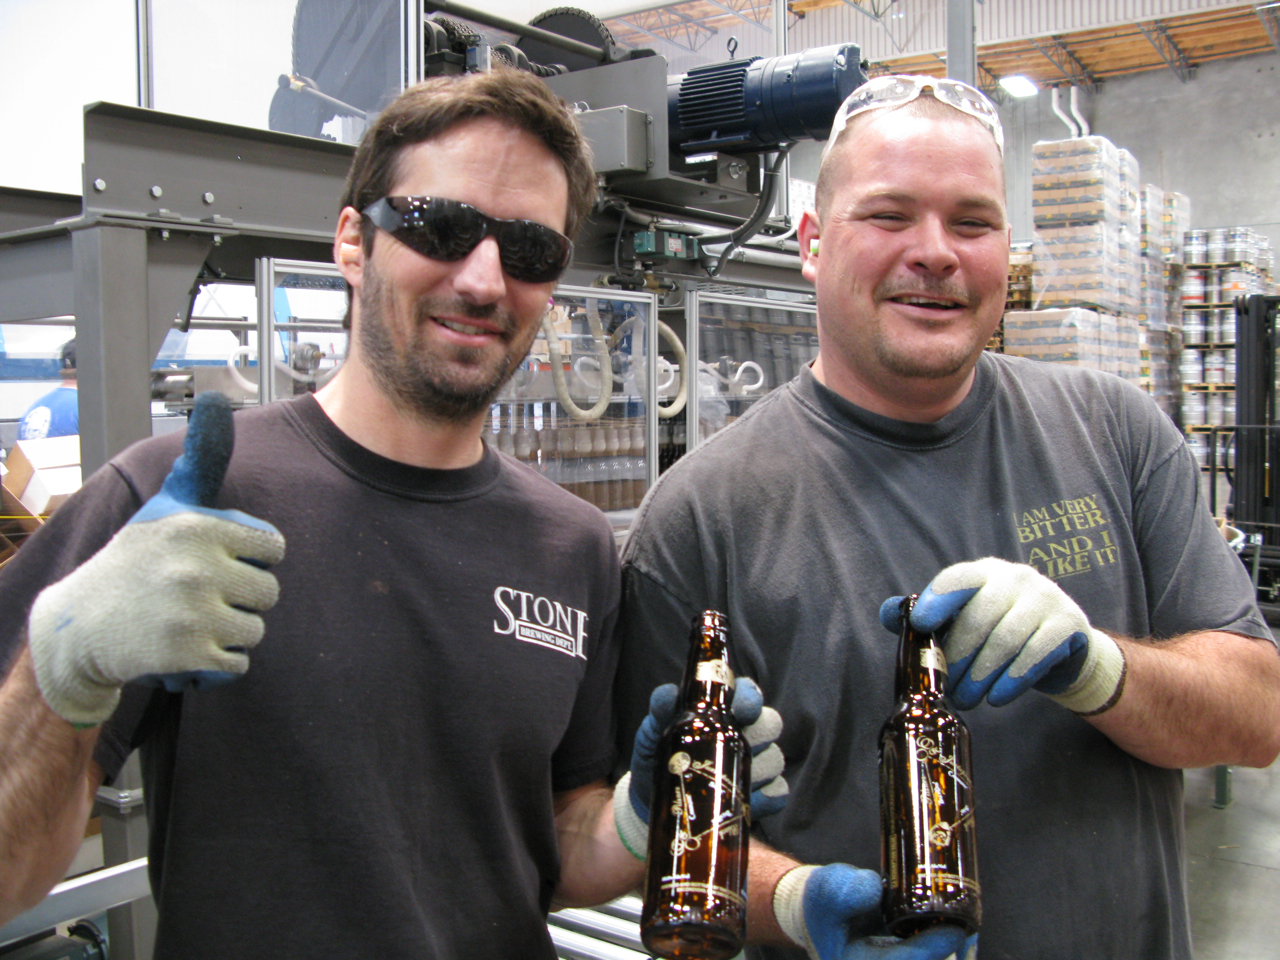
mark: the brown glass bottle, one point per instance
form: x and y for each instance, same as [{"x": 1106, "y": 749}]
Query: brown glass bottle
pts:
[
  {"x": 928, "y": 844},
  {"x": 695, "y": 902}
]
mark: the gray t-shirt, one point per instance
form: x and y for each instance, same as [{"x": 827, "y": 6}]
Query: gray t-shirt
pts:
[{"x": 803, "y": 516}]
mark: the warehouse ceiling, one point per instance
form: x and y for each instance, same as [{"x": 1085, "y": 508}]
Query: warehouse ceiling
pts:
[{"x": 1178, "y": 44}]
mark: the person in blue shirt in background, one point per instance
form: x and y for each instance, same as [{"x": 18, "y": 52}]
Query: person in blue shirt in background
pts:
[{"x": 57, "y": 413}]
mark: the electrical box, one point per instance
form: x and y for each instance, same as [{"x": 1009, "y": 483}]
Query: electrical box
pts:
[
  {"x": 664, "y": 243},
  {"x": 619, "y": 138}
]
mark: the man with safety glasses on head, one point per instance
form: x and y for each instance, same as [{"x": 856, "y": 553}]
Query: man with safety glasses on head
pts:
[
  {"x": 1100, "y": 633},
  {"x": 393, "y": 741}
]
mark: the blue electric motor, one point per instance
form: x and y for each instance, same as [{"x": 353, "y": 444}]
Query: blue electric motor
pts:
[{"x": 755, "y": 105}]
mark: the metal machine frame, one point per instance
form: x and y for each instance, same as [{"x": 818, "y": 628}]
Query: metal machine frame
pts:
[{"x": 166, "y": 199}]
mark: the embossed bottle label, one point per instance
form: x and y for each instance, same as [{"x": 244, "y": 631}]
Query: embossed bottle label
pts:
[
  {"x": 933, "y": 659},
  {"x": 715, "y": 671}
]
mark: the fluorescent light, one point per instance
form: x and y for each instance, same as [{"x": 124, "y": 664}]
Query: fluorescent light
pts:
[{"x": 1019, "y": 86}]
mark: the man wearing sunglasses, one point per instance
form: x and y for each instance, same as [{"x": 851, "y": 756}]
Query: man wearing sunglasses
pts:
[
  {"x": 1100, "y": 633},
  {"x": 411, "y": 763}
]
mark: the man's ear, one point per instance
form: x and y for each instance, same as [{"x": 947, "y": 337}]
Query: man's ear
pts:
[
  {"x": 348, "y": 246},
  {"x": 807, "y": 234}
]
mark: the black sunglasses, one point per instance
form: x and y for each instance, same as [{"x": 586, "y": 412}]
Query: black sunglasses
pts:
[{"x": 448, "y": 230}]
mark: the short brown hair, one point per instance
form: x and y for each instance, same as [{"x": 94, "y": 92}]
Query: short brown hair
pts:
[{"x": 429, "y": 109}]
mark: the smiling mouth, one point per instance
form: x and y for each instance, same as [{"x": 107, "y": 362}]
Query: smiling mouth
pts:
[
  {"x": 464, "y": 328},
  {"x": 927, "y": 302}
]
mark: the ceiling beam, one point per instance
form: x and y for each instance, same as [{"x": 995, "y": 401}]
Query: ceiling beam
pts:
[
  {"x": 666, "y": 24},
  {"x": 870, "y": 8},
  {"x": 1158, "y": 34},
  {"x": 989, "y": 84},
  {"x": 749, "y": 7},
  {"x": 1067, "y": 63},
  {"x": 1269, "y": 14}
]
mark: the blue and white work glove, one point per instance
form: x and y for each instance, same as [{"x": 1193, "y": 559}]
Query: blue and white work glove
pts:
[
  {"x": 760, "y": 725},
  {"x": 173, "y": 598},
  {"x": 834, "y": 913},
  {"x": 1012, "y": 628}
]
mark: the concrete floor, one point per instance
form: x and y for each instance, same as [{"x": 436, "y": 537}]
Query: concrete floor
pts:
[{"x": 1234, "y": 865}]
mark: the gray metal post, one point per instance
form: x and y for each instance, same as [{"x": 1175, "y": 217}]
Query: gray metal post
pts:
[
  {"x": 124, "y": 838},
  {"x": 962, "y": 53},
  {"x": 146, "y": 77},
  {"x": 264, "y": 282},
  {"x": 112, "y": 346},
  {"x": 693, "y": 351},
  {"x": 782, "y": 201},
  {"x": 411, "y": 54}
]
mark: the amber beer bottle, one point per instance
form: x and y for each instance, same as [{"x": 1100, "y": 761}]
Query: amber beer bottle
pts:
[
  {"x": 928, "y": 845},
  {"x": 695, "y": 902}
]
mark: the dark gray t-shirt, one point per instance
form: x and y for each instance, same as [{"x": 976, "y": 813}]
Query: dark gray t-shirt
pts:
[
  {"x": 380, "y": 782},
  {"x": 803, "y": 516}
]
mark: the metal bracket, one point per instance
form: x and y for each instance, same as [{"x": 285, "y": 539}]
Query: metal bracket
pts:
[
  {"x": 1068, "y": 64},
  {"x": 1269, "y": 14},
  {"x": 1158, "y": 34},
  {"x": 121, "y": 800}
]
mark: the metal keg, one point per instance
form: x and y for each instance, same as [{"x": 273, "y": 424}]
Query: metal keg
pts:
[
  {"x": 1216, "y": 249},
  {"x": 1195, "y": 246},
  {"x": 1241, "y": 245},
  {"x": 1193, "y": 408},
  {"x": 1191, "y": 366},
  {"x": 1213, "y": 409},
  {"x": 1214, "y": 366},
  {"x": 1226, "y": 324},
  {"x": 1193, "y": 286},
  {"x": 1193, "y": 327}
]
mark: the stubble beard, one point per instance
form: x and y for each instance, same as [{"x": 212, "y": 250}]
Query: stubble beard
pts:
[
  {"x": 416, "y": 377},
  {"x": 943, "y": 359}
]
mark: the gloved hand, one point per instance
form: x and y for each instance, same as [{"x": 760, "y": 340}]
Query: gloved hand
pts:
[
  {"x": 1012, "y": 629},
  {"x": 174, "y": 596},
  {"x": 834, "y": 913},
  {"x": 760, "y": 725}
]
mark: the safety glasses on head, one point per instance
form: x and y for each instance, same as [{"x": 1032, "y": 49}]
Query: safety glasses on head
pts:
[
  {"x": 895, "y": 90},
  {"x": 448, "y": 230}
]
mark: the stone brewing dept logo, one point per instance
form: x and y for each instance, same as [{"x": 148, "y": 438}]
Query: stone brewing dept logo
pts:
[{"x": 539, "y": 620}]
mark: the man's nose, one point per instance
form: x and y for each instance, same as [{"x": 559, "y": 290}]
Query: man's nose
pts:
[
  {"x": 478, "y": 276},
  {"x": 933, "y": 247}
]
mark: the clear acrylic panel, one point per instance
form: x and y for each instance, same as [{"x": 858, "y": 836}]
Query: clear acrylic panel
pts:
[
  {"x": 747, "y": 346},
  {"x": 219, "y": 349},
  {"x": 577, "y": 408}
]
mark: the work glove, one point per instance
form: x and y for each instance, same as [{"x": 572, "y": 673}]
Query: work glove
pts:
[
  {"x": 760, "y": 725},
  {"x": 173, "y": 598},
  {"x": 1011, "y": 629},
  {"x": 834, "y": 912}
]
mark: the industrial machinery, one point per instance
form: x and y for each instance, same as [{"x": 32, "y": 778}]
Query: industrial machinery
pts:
[{"x": 691, "y": 171}]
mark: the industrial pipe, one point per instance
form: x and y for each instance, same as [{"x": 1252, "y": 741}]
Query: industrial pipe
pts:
[{"x": 1072, "y": 130}]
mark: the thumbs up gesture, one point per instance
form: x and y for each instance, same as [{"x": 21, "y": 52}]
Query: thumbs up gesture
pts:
[{"x": 174, "y": 598}]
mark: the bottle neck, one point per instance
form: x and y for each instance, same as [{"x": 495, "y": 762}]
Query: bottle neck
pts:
[
  {"x": 707, "y": 678},
  {"x": 922, "y": 666}
]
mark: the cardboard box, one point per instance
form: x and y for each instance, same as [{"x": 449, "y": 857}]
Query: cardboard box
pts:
[
  {"x": 43, "y": 473},
  {"x": 49, "y": 487},
  {"x": 28, "y": 456},
  {"x": 16, "y": 523}
]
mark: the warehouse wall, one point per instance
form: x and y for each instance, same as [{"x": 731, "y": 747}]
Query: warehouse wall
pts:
[{"x": 1215, "y": 138}]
